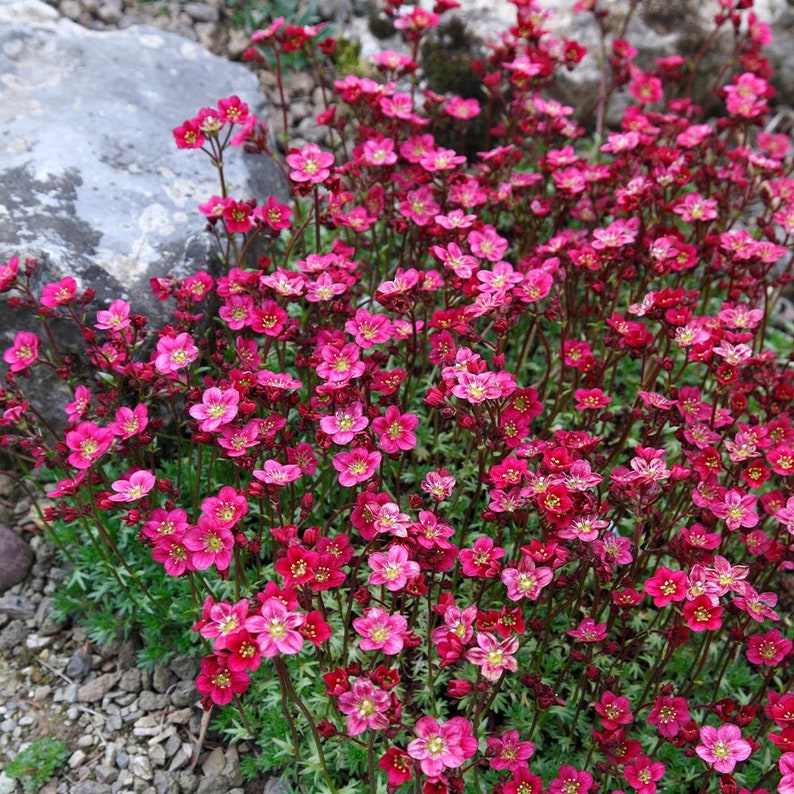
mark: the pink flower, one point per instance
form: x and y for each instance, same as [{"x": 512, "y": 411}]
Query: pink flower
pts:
[
  {"x": 310, "y": 164},
  {"x": 188, "y": 135},
  {"x": 441, "y": 746},
  {"x": 769, "y": 649},
  {"x": 82, "y": 399},
  {"x": 23, "y": 352},
  {"x": 356, "y": 466},
  {"x": 276, "y": 628},
  {"x": 369, "y": 329},
  {"x": 134, "y": 487},
  {"x": 493, "y": 655},
  {"x": 381, "y": 631},
  {"x": 171, "y": 553},
  {"x": 525, "y": 580},
  {"x": 507, "y": 752},
  {"x": 275, "y": 473},
  {"x": 174, "y": 353},
  {"x": 130, "y": 421},
  {"x": 87, "y": 442},
  {"x": 59, "y": 293},
  {"x": 218, "y": 681},
  {"x": 339, "y": 366},
  {"x": 590, "y": 399},
  {"x": 723, "y": 747},
  {"x": 366, "y": 707},
  {"x": 210, "y": 544},
  {"x": 786, "y": 767},
  {"x": 669, "y": 714},
  {"x": 237, "y": 440},
  {"x": 216, "y": 408},
  {"x": 228, "y": 507},
  {"x": 395, "y": 430},
  {"x": 666, "y": 586},
  {"x": 114, "y": 318},
  {"x": 589, "y": 631},
  {"x": 642, "y": 774},
  {"x": 482, "y": 560},
  {"x": 345, "y": 423},
  {"x": 221, "y": 621},
  {"x": 487, "y": 244},
  {"x": 393, "y": 569},
  {"x": 571, "y": 781}
]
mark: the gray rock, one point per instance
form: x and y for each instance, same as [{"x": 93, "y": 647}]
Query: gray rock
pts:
[
  {"x": 7, "y": 784},
  {"x": 213, "y": 784},
  {"x": 79, "y": 665},
  {"x": 91, "y": 181},
  {"x": 152, "y": 701},
  {"x": 183, "y": 694},
  {"x": 201, "y": 12},
  {"x": 130, "y": 681},
  {"x": 16, "y": 558},
  {"x": 162, "y": 679},
  {"x": 91, "y": 787},
  {"x": 185, "y": 668},
  {"x": 17, "y": 607},
  {"x": 95, "y": 689},
  {"x": 106, "y": 774},
  {"x": 13, "y": 635}
]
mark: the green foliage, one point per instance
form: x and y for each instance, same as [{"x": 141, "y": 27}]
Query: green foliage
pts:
[{"x": 38, "y": 762}]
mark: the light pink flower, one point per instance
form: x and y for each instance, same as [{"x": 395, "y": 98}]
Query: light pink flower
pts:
[
  {"x": 381, "y": 631},
  {"x": 441, "y": 746},
  {"x": 525, "y": 580},
  {"x": 134, "y": 487},
  {"x": 275, "y": 473},
  {"x": 114, "y": 318},
  {"x": 393, "y": 569},
  {"x": 87, "y": 442},
  {"x": 174, "y": 353},
  {"x": 310, "y": 164},
  {"x": 723, "y": 747},
  {"x": 493, "y": 655},
  {"x": 366, "y": 707},
  {"x": 215, "y": 409},
  {"x": 276, "y": 628},
  {"x": 345, "y": 423}
]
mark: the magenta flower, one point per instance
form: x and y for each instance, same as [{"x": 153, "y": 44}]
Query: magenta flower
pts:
[
  {"x": 482, "y": 560},
  {"x": 493, "y": 655},
  {"x": 356, "y": 466},
  {"x": 381, "y": 631},
  {"x": 87, "y": 442},
  {"x": 23, "y": 352},
  {"x": 82, "y": 400},
  {"x": 441, "y": 746},
  {"x": 228, "y": 507},
  {"x": 507, "y": 752},
  {"x": 130, "y": 421},
  {"x": 58, "y": 293},
  {"x": 570, "y": 780},
  {"x": 669, "y": 715},
  {"x": 369, "y": 329},
  {"x": 589, "y": 631},
  {"x": 770, "y": 648},
  {"x": 339, "y": 366},
  {"x": 310, "y": 164},
  {"x": 134, "y": 487},
  {"x": 216, "y": 408},
  {"x": 393, "y": 569},
  {"x": 365, "y": 706},
  {"x": 209, "y": 543},
  {"x": 395, "y": 430},
  {"x": 218, "y": 681},
  {"x": 666, "y": 585},
  {"x": 723, "y": 747},
  {"x": 276, "y": 628},
  {"x": 642, "y": 774},
  {"x": 174, "y": 353}
]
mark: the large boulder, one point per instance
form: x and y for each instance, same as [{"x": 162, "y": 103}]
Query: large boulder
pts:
[{"x": 91, "y": 182}]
